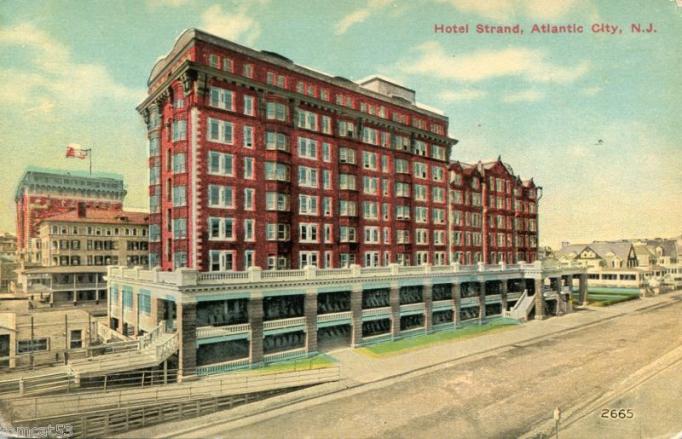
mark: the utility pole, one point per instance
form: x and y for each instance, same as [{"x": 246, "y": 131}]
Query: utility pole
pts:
[{"x": 557, "y": 418}]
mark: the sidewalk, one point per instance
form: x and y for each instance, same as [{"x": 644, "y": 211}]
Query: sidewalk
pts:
[
  {"x": 357, "y": 367},
  {"x": 361, "y": 373}
]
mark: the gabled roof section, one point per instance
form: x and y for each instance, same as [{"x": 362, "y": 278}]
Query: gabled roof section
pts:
[
  {"x": 100, "y": 216},
  {"x": 643, "y": 250},
  {"x": 498, "y": 165},
  {"x": 571, "y": 249},
  {"x": 621, "y": 249},
  {"x": 668, "y": 246}
]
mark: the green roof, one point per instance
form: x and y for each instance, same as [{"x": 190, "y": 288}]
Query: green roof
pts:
[
  {"x": 72, "y": 173},
  {"x": 103, "y": 182}
]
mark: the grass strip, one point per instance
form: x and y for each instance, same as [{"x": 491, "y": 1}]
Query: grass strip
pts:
[{"x": 421, "y": 341}]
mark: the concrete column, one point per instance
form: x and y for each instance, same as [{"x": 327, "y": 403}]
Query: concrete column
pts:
[
  {"x": 481, "y": 301},
  {"x": 539, "y": 299},
  {"x": 356, "y": 315},
  {"x": 503, "y": 295},
  {"x": 157, "y": 310},
  {"x": 135, "y": 315},
  {"x": 254, "y": 309},
  {"x": 121, "y": 316},
  {"x": 456, "y": 303},
  {"x": 582, "y": 288},
  {"x": 310, "y": 310},
  {"x": 395, "y": 311},
  {"x": 569, "y": 299},
  {"x": 187, "y": 329},
  {"x": 428, "y": 307}
]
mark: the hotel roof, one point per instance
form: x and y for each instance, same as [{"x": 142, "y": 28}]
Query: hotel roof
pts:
[
  {"x": 186, "y": 37},
  {"x": 100, "y": 216}
]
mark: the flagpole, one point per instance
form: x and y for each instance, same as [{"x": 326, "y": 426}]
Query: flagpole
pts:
[{"x": 90, "y": 157}]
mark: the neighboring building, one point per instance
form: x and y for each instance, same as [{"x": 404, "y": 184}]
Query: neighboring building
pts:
[
  {"x": 545, "y": 252},
  {"x": 601, "y": 254},
  {"x": 95, "y": 237},
  {"x": 617, "y": 264},
  {"x": 32, "y": 338},
  {"x": 645, "y": 257},
  {"x": 8, "y": 273},
  {"x": 77, "y": 246},
  {"x": 8, "y": 261},
  {"x": 8, "y": 245},
  {"x": 662, "y": 252},
  {"x": 44, "y": 192},
  {"x": 494, "y": 214},
  {"x": 257, "y": 161}
]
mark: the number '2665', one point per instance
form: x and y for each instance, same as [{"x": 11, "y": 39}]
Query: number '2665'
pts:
[{"x": 617, "y": 413}]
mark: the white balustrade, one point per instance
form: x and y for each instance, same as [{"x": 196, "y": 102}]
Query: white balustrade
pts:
[
  {"x": 441, "y": 304},
  {"x": 375, "y": 270},
  {"x": 469, "y": 301},
  {"x": 492, "y": 298},
  {"x": 334, "y": 316},
  {"x": 412, "y": 307},
  {"x": 218, "y": 331},
  {"x": 283, "y": 323},
  {"x": 376, "y": 311},
  {"x": 222, "y": 367},
  {"x": 223, "y": 275},
  {"x": 334, "y": 272},
  {"x": 441, "y": 268},
  {"x": 284, "y": 354},
  {"x": 188, "y": 277}
]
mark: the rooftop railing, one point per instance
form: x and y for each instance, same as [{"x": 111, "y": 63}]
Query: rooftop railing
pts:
[{"x": 190, "y": 277}]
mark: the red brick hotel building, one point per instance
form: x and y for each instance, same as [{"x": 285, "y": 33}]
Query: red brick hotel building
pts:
[{"x": 257, "y": 161}]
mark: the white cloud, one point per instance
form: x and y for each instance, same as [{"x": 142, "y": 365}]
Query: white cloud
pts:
[
  {"x": 50, "y": 79},
  {"x": 523, "y": 96},
  {"x": 360, "y": 15},
  {"x": 467, "y": 94},
  {"x": 237, "y": 25},
  {"x": 591, "y": 91},
  {"x": 530, "y": 64},
  {"x": 167, "y": 3},
  {"x": 507, "y": 10},
  {"x": 579, "y": 151}
]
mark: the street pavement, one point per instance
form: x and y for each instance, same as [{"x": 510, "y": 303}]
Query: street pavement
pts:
[{"x": 501, "y": 384}]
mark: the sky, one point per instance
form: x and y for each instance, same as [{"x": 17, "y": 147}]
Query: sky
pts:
[{"x": 592, "y": 117}]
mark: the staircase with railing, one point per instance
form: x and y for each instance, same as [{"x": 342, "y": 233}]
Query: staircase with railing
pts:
[
  {"x": 153, "y": 348},
  {"x": 521, "y": 308},
  {"x": 149, "y": 350}
]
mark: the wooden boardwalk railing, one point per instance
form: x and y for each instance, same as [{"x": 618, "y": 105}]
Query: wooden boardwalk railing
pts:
[{"x": 97, "y": 415}]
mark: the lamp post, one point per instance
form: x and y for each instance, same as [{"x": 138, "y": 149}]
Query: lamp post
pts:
[{"x": 557, "y": 418}]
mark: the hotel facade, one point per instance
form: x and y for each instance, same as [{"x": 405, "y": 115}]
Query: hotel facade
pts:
[
  {"x": 291, "y": 211},
  {"x": 257, "y": 161}
]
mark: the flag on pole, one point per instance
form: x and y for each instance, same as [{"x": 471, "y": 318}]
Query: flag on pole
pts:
[{"x": 76, "y": 151}]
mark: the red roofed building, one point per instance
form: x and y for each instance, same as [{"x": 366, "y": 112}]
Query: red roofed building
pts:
[
  {"x": 493, "y": 214},
  {"x": 44, "y": 192},
  {"x": 77, "y": 245},
  {"x": 257, "y": 161}
]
